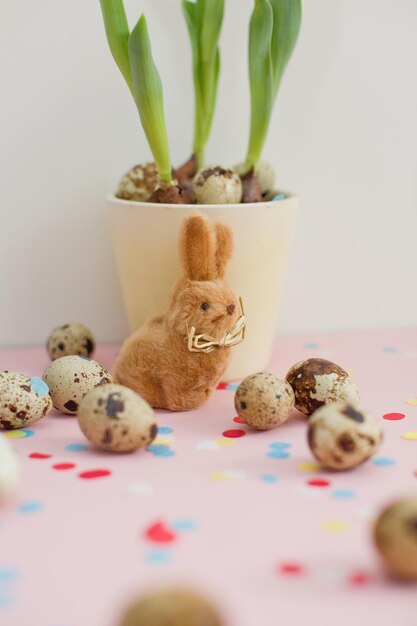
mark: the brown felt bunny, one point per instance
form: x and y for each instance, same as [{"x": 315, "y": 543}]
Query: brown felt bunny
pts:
[{"x": 176, "y": 360}]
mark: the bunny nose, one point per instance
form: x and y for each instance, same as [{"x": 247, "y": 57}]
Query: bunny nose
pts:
[{"x": 230, "y": 308}]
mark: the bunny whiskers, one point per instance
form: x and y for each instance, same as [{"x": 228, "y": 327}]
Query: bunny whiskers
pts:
[{"x": 205, "y": 343}]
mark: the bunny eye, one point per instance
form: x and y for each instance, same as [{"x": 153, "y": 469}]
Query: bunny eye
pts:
[{"x": 205, "y": 306}]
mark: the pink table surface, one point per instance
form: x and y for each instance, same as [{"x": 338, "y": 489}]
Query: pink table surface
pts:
[{"x": 239, "y": 522}]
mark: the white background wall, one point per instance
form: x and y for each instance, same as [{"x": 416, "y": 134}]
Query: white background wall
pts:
[{"x": 344, "y": 136}]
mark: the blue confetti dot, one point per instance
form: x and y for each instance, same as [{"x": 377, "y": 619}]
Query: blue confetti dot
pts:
[
  {"x": 31, "y": 506},
  {"x": 280, "y": 445},
  {"x": 232, "y": 386},
  {"x": 6, "y": 600},
  {"x": 39, "y": 386},
  {"x": 7, "y": 575},
  {"x": 311, "y": 345},
  {"x": 184, "y": 525},
  {"x": 159, "y": 449},
  {"x": 278, "y": 454},
  {"x": 27, "y": 431},
  {"x": 158, "y": 557},
  {"x": 270, "y": 479},
  {"x": 389, "y": 349},
  {"x": 165, "y": 430},
  {"x": 343, "y": 494},
  {"x": 278, "y": 197},
  {"x": 383, "y": 461},
  {"x": 76, "y": 447}
]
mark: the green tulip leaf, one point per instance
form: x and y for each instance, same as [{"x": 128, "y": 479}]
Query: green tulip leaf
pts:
[
  {"x": 117, "y": 33},
  {"x": 148, "y": 95}
]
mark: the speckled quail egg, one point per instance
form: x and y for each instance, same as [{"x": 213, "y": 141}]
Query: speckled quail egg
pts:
[
  {"x": 70, "y": 377},
  {"x": 264, "y": 401},
  {"x": 217, "y": 185},
  {"x": 395, "y": 535},
  {"x": 341, "y": 435},
  {"x": 317, "y": 381},
  {"x": 9, "y": 468},
  {"x": 117, "y": 419},
  {"x": 172, "y": 608},
  {"x": 23, "y": 399},
  {"x": 71, "y": 338},
  {"x": 265, "y": 174},
  {"x": 139, "y": 183}
]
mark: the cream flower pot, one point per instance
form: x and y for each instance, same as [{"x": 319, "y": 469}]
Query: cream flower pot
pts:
[{"x": 145, "y": 243}]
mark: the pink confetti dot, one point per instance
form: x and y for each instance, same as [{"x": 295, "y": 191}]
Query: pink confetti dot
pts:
[
  {"x": 393, "y": 416},
  {"x": 318, "y": 482},
  {"x": 39, "y": 455},
  {"x": 238, "y": 420},
  {"x": 360, "y": 579},
  {"x": 99, "y": 473},
  {"x": 235, "y": 432},
  {"x": 291, "y": 568},
  {"x": 63, "y": 466}
]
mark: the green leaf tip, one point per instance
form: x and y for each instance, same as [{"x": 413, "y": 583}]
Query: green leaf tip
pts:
[
  {"x": 117, "y": 33},
  {"x": 204, "y": 21},
  {"x": 273, "y": 33},
  {"x": 148, "y": 95}
]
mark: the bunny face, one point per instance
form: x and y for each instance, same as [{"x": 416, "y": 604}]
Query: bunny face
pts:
[{"x": 210, "y": 306}]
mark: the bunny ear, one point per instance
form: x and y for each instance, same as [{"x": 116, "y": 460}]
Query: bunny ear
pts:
[
  {"x": 224, "y": 248},
  {"x": 197, "y": 248}
]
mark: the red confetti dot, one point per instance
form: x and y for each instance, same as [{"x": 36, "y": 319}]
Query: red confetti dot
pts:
[
  {"x": 318, "y": 482},
  {"x": 222, "y": 386},
  {"x": 291, "y": 568},
  {"x": 234, "y": 433},
  {"x": 238, "y": 420},
  {"x": 159, "y": 533},
  {"x": 39, "y": 455},
  {"x": 99, "y": 473},
  {"x": 393, "y": 416},
  {"x": 359, "y": 579},
  {"x": 63, "y": 466}
]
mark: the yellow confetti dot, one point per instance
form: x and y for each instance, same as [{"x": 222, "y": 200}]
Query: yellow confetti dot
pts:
[
  {"x": 334, "y": 526},
  {"x": 162, "y": 441},
  {"x": 410, "y": 436},
  {"x": 15, "y": 434},
  {"x": 218, "y": 476},
  {"x": 224, "y": 442},
  {"x": 310, "y": 467},
  {"x": 412, "y": 401}
]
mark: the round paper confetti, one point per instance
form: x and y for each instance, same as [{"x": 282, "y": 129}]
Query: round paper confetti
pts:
[
  {"x": 158, "y": 557},
  {"x": 19, "y": 434},
  {"x": 383, "y": 461},
  {"x": 291, "y": 567},
  {"x": 165, "y": 430},
  {"x": 223, "y": 442},
  {"x": 309, "y": 467},
  {"x": 412, "y": 401},
  {"x": 281, "y": 445},
  {"x": 160, "y": 533},
  {"x": 393, "y": 416},
  {"x": 207, "y": 445},
  {"x": 360, "y": 579},
  {"x": 76, "y": 447},
  {"x": 234, "y": 433},
  {"x": 39, "y": 455},
  {"x": 160, "y": 450},
  {"x": 343, "y": 494},
  {"x": 63, "y": 466},
  {"x": 318, "y": 482},
  {"x": 232, "y": 386},
  {"x": 184, "y": 525},
  {"x": 410, "y": 436},
  {"x": 238, "y": 420},
  {"x": 31, "y": 506},
  {"x": 98, "y": 473},
  {"x": 269, "y": 479},
  {"x": 277, "y": 453},
  {"x": 8, "y": 574},
  {"x": 334, "y": 526},
  {"x": 39, "y": 386},
  {"x": 391, "y": 349},
  {"x": 311, "y": 345}
]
